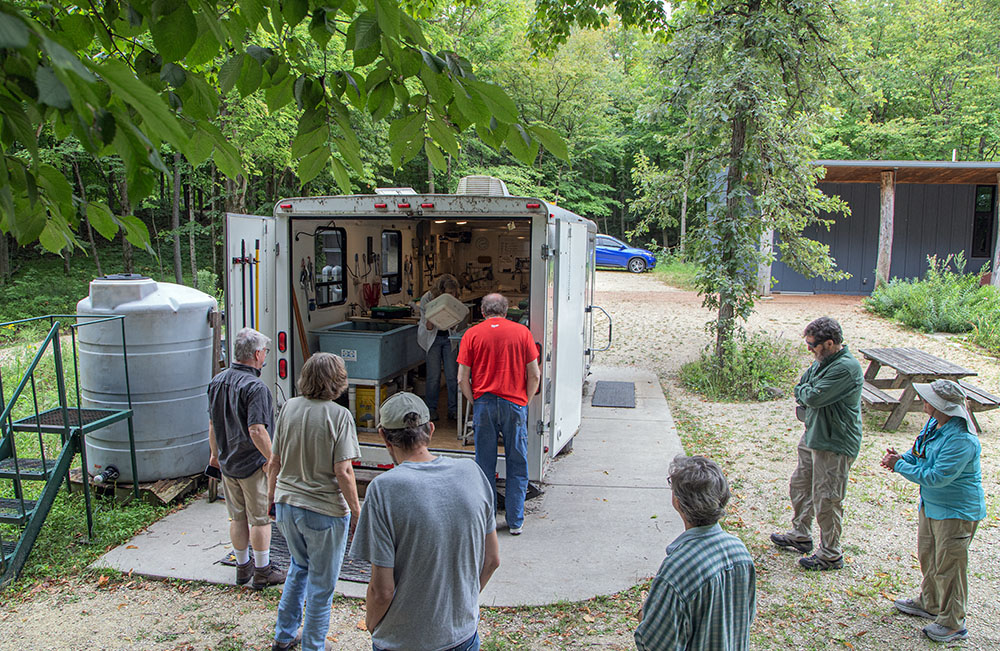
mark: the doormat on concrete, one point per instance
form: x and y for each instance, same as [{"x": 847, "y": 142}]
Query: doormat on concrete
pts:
[
  {"x": 350, "y": 570},
  {"x": 614, "y": 394}
]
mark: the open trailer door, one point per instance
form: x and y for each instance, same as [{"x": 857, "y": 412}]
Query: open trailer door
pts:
[
  {"x": 250, "y": 297},
  {"x": 569, "y": 348}
]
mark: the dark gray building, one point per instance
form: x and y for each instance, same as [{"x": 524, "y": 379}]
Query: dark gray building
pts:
[{"x": 932, "y": 208}]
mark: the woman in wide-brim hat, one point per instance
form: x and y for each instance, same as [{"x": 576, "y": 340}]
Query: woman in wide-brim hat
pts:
[{"x": 944, "y": 462}]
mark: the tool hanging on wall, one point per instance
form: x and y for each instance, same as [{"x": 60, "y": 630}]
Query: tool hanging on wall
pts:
[
  {"x": 242, "y": 260},
  {"x": 304, "y": 284},
  {"x": 408, "y": 273},
  {"x": 253, "y": 321},
  {"x": 256, "y": 286},
  {"x": 311, "y": 280}
]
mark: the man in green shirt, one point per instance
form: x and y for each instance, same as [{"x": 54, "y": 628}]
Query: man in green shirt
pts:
[{"x": 829, "y": 399}]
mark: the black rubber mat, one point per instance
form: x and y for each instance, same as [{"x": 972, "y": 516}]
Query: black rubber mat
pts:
[
  {"x": 614, "y": 394},
  {"x": 350, "y": 570}
]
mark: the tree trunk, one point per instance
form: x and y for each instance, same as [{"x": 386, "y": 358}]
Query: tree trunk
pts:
[
  {"x": 4, "y": 259},
  {"x": 725, "y": 323},
  {"x": 430, "y": 176},
  {"x": 995, "y": 268},
  {"x": 90, "y": 231},
  {"x": 213, "y": 210},
  {"x": 764, "y": 267},
  {"x": 126, "y": 210},
  {"x": 887, "y": 200},
  {"x": 175, "y": 220},
  {"x": 66, "y": 256},
  {"x": 191, "y": 226},
  {"x": 688, "y": 159}
]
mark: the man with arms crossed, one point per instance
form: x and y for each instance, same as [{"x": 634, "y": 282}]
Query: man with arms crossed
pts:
[
  {"x": 830, "y": 393},
  {"x": 241, "y": 417},
  {"x": 498, "y": 373},
  {"x": 428, "y": 529},
  {"x": 703, "y": 596}
]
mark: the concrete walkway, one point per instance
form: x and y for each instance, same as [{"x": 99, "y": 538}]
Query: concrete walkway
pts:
[{"x": 601, "y": 526}]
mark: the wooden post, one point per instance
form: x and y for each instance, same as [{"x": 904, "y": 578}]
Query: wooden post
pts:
[
  {"x": 887, "y": 200},
  {"x": 764, "y": 267},
  {"x": 995, "y": 272}
]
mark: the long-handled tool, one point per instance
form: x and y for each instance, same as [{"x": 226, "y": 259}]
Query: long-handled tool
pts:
[
  {"x": 303, "y": 342},
  {"x": 243, "y": 276},
  {"x": 256, "y": 287},
  {"x": 253, "y": 320}
]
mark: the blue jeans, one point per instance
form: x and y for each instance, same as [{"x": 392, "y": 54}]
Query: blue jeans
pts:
[
  {"x": 317, "y": 543},
  {"x": 440, "y": 355},
  {"x": 493, "y": 415},
  {"x": 472, "y": 644}
]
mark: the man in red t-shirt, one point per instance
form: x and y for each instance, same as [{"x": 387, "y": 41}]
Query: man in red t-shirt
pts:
[{"x": 497, "y": 372}]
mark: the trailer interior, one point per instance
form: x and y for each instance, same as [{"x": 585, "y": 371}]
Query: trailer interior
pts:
[{"x": 372, "y": 271}]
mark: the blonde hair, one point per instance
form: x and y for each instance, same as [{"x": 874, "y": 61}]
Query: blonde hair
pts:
[
  {"x": 443, "y": 283},
  {"x": 323, "y": 377}
]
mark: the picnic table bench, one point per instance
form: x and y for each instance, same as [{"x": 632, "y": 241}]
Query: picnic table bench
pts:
[{"x": 913, "y": 365}]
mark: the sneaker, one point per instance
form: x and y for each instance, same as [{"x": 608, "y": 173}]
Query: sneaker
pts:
[
  {"x": 814, "y": 562},
  {"x": 912, "y": 607},
  {"x": 244, "y": 572},
  {"x": 939, "y": 633},
  {"x": 516, "y": 531},
  {"x": 284, "y": 646},
  {"x": 785, "y": 542},
  {"x": 267, "y": 575}
]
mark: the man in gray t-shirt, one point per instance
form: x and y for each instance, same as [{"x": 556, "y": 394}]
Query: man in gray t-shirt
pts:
[{"x": 427, "y": 527}]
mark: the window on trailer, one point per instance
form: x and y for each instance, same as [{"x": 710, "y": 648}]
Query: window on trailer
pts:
[
  {"x": 392, "y": 262},
  {"x": 329, "y": 273}
]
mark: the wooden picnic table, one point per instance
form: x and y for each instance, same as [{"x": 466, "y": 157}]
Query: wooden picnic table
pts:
[{"x": 911, "y": 365}]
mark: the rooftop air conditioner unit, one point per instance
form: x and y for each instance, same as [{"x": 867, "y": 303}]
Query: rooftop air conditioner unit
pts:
[{"x": 480, "y": 185}]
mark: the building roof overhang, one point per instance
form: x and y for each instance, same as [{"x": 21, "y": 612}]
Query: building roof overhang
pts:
[{"x": 908, "y": 171}]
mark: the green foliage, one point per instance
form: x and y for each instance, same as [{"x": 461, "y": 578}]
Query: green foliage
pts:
[
  {"x": 946, "y": 299},
  {"x": 674, "y": 270},
  {"x": 123, "y": 80},
  {"x": 757, "y": 367}
]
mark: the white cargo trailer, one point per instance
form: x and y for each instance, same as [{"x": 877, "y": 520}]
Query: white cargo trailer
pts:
[{"x": 322, "y": 273}]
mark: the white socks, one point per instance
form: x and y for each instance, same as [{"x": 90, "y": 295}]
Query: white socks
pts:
[
  {"x": 262, "y": 559},
  {"x": 242, "y": 555}
]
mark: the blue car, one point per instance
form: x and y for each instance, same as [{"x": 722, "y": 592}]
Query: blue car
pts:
[{"x": 612, "y": 252}]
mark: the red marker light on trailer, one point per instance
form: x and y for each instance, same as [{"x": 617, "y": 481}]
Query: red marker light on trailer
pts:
[
  {"x": 282, "y": 342},
  {"x": 426, "y": 205},
  {"x": 286, "y": 206},
  {"x": 534, "y": 205},
  {"x": 381, "y": 205},
  {"x": 402, "y": 205},
  {"x": 283, "y": 368}
]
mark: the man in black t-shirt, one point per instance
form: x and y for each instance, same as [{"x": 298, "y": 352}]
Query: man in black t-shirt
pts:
[{"x": 241, "y": 417}]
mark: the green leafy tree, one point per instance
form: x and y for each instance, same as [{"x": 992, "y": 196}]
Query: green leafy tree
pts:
[{"x": 130, "y": 78}]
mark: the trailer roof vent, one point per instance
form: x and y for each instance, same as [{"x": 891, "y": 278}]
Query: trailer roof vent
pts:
[
  {"x": 395, "y": 191},
  {"x": 488, "y": 186}
]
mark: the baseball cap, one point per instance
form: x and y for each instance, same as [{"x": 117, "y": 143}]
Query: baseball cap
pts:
[{"x": 394, "y": 410}]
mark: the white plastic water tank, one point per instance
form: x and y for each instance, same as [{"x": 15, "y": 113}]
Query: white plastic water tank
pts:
[{"x": 169, "y": 347}]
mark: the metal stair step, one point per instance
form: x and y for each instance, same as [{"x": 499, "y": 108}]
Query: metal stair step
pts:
[
  {"x": 10, "y": 511},
  {"x": 30, "y": 469}
]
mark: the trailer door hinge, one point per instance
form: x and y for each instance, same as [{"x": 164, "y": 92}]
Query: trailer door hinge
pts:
[
  {"x": 540, "y": 427},
  {"x": 547, "y": 252}
]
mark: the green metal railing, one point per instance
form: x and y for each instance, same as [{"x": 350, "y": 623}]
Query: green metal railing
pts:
[{"x": 30, "y": 514}]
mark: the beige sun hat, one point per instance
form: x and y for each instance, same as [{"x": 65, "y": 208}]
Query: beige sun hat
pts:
[{"x": 946, "y": 396}]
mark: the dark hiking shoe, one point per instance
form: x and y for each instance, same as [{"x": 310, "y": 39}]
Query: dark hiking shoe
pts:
[
  {"x": 912, "y": 607},
  {"x": 268, "y": 575},
  {"x": 939, "y": 633},
  {"x": 814, "y": 562},
  {"x": 244, "y": 573},
  {"x": 785, "y": 542},
  {"x": 291, "y": 644}
]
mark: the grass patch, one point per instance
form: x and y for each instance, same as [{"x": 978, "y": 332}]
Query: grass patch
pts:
[
  {"x": 946, "y": 299},
  {"x": 756, "y": 367},
  {"x": 676, "y": 272}
]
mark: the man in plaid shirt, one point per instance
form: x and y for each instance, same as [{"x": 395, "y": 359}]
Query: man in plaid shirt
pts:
[{"x": 703, "y": 596}]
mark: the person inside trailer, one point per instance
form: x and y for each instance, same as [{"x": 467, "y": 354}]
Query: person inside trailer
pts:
[{"x": 439, "y": 351}]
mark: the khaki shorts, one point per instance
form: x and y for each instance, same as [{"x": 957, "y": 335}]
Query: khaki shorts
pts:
[{"x": 246, "y": 499}]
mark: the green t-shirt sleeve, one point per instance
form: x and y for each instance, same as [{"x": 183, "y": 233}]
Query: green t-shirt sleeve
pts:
[{"x": 346, "y": 438}]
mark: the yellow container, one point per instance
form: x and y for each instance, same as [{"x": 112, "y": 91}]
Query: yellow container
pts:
[{"x": 366, "y": 405}]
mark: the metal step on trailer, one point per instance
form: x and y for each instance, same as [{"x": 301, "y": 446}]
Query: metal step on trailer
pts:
[
  {"x": 29, "y": 469},
  {"x": 11, "y": 513}
]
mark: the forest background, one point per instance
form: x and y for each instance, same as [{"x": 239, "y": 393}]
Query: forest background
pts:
[{"x": 909, "y": 80}]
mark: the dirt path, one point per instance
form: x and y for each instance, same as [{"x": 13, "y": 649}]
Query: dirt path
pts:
[{"x": 657, "y": 328}]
